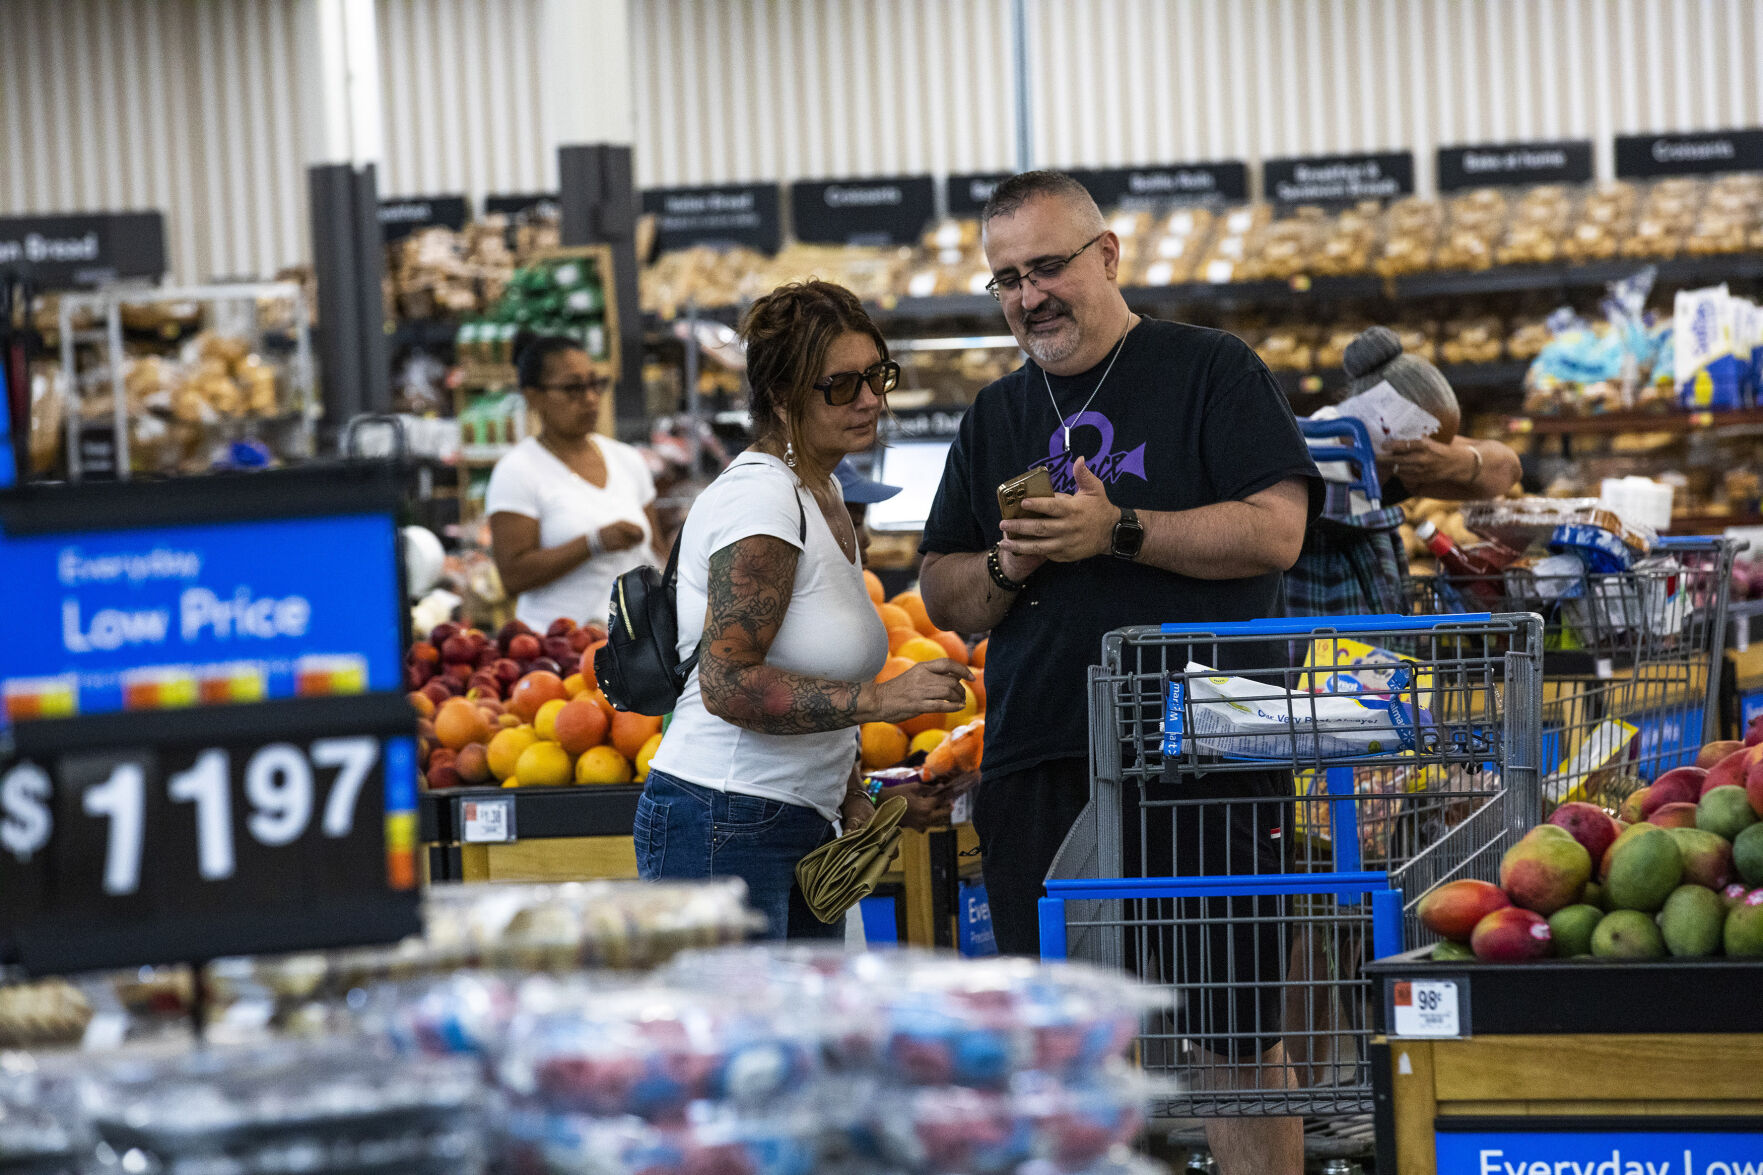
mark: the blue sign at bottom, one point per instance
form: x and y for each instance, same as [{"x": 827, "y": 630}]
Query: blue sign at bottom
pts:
[
  {"x": 974, "y": 936},
  {"x": 1600, "y": 1153},
  {"x": 1750, "y": 709}
]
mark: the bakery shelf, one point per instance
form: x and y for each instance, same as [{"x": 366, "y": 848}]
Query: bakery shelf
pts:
[
  {"x": 1628, "y": 422},
  {"x": 1309, "y": 290},
  {"x": 1517, "y": 278},
  {"x": 1711, "y": 523},
  {"x": 1502, "y": 375}
]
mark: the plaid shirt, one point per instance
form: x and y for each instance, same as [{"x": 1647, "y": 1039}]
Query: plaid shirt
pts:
[{"x": 1353, "y": 564}]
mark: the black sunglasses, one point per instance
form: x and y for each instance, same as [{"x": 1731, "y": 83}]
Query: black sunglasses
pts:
[
  {"x": 581, "y": 388},
  {"x": 840, "y": 388},
  {"x": 1046, "y": 271}
]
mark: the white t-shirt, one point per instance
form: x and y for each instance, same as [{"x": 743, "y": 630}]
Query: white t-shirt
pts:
[
  {"x": 830, "y": 631},
  {"x": 531, "y": 481}
]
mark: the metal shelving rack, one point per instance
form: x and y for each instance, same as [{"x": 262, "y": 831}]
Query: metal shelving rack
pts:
[{"x": 300, "y": 396}]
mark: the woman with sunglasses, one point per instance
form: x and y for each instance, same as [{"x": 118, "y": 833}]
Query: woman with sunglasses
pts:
[
  {"x": 569, "y": 511},
  {"x": 760, "y": 758}
]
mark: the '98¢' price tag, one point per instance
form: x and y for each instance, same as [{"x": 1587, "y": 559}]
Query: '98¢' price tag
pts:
[{"x": 1425, "y": 1008}]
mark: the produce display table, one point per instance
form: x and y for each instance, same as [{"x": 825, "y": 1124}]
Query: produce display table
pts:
[
  {"x": 582, "y": 833},
  {"x": 529, "y": 833},
  {"x": 1578, "y": 1066}
]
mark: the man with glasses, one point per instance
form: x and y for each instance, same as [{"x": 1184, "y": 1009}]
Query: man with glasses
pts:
[{"x": 1182, "y": 492}]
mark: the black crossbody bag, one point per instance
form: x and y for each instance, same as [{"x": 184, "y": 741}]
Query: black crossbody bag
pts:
[{"x": 639, "y": 666}]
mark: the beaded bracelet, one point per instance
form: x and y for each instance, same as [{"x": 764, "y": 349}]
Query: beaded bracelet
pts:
[{"x": 995, "y": 568}]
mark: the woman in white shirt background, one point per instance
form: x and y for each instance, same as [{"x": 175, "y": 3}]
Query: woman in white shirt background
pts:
[
  {"x": 761, "y": 755},
  {"x": 569, "y": 511}
]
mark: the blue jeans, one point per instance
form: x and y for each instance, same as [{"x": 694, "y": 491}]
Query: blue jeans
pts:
[{"x": 684, "y": 832}]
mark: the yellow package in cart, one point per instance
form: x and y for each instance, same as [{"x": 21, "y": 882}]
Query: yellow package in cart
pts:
[
  {"x": 1360, "y": 669},
  {"x": 1604, "y": 745}
]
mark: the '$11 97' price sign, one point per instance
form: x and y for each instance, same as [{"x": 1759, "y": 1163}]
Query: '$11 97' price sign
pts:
[{"x": 199, "y": 840}]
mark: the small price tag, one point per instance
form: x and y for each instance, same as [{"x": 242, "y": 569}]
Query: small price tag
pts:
[
  {"x": 488, "y": 822},
  {"x": 961, "y": 811},
  {"x": 1425, "y": 1007}
]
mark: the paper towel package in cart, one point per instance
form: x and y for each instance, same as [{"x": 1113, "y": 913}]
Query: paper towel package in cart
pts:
[{"x": 1239, "y": 718}]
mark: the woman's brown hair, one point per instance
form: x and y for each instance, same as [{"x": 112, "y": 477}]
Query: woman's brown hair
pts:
[{"x": 788, "y": 333}]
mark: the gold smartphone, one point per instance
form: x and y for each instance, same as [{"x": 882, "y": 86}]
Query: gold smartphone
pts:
[{"x": 1036, "y": 483}]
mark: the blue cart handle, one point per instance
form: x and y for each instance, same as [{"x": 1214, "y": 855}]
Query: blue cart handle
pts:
[
  {"x": 1224, "y": 885},
  {"x": 1309, "y": 625}
]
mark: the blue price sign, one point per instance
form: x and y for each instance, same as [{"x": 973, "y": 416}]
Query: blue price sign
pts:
[
  {"x": 164, "y": 617},
  {"x": 209, "y": 750},
  {"x": 1669, "y": 738},
  {"x": 1750, "y": 709},
  {"x": 1665, "y": 1152}
]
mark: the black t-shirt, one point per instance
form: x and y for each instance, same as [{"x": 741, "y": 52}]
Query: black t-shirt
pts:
[{"x": 1188, "y": 417}]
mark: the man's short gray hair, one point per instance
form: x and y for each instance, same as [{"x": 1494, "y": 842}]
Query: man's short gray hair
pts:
[{"x": 1019, "y": 189}]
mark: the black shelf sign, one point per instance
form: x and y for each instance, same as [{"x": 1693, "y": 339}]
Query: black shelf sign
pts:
[
  {"x": 732, "y": 214},
  {"x": 69, "y": 252},
  {"x": 123, "y": 843},
  {"x": 399, "y": 218},
  {"x": 967, "y": 194},
  {"x": 517, "y": 204},
  {"x": 1158, "y": 186},
  {"x": 922, "y": 425},
  {"x": 207, "y": 746},
  {"x": 1650, "y": 156},
  {"x": 887, "y": 210},
  {"x": 1338, "y": 179},
  {"x": 1499, "y": 164}
]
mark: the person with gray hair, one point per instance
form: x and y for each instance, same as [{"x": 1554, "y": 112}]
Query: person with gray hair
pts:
[
  {"x": 1180, "y": 490},
  {"x": 1353, "y": 563}
]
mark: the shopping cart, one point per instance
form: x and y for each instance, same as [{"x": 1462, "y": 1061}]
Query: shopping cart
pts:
[
  {"x": 1249, "y": 866},
  {"x": 1631, "y": 662}
]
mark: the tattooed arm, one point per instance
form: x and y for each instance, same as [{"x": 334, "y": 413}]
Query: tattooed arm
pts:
[{"x": 751, "y": 582}]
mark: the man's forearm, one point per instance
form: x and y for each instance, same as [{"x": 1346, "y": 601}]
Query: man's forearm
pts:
[
  {"x": 1227, "y": 540},
  {"x": 959, "y": 594}
]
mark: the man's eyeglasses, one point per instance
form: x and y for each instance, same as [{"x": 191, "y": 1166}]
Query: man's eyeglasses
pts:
[
  {"x": 840, "y": 388},
  {"x": 580, "y": 389},
  {"x": 1046, "y": 271}
]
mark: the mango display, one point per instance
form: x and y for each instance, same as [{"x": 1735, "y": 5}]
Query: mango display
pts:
[
  {"x": 1572, "y": 928},
  {"x": 1678, "y": 874}
]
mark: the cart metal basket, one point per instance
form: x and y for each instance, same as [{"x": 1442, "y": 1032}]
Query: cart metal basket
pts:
[
  {"x": 1256, "y": 851},
  {"x": 1631, "y": 663}
]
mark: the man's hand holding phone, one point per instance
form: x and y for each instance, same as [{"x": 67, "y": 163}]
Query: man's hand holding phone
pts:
[{"x": 1065, "y": 528}]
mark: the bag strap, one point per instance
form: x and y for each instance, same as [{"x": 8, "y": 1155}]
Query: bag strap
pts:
[{"x": 801, "y": 512}]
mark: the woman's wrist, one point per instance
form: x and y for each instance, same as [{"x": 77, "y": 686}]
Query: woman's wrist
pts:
[
  {"x": 595, "y": 547},
  {"x": 1476, "y": 464}
]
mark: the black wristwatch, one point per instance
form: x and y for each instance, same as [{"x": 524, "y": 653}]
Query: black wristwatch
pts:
[{"x": 1129, "y": 535}]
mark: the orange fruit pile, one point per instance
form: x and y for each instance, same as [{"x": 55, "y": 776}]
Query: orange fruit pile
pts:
[
  {"x": 551, "y": 731},
  {"x": 913, "y": 639}
]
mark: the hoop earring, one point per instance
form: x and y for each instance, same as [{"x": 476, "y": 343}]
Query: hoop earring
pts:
[{"x": 790, "y": 454}]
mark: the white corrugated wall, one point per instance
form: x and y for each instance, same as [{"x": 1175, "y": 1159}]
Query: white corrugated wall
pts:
[
  {"x": 462, "y": 91},
  {"x": 749, "y": 90},
  {"x": 1300, "y": 77},
  {"x": 188, "y": 106},
  {"x": 756, "y": 89},
  {"x": 192, "y": 106}
]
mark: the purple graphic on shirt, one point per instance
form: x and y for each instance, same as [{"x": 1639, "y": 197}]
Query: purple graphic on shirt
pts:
[{"x": 1105, "y": 463}]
